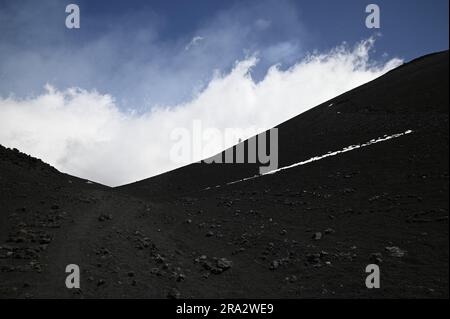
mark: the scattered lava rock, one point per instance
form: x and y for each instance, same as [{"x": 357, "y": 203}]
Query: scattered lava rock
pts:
[
  {"x": 104, "y": 217},
  {"x": 224, "y": 263},
  {"x": 376, "y": 258},
  {"x": 216, "y": 265},
  {"x": 317, "y": 236},
  {"x": 395, "y": 251},
  {"x": 174, "y": 294}
]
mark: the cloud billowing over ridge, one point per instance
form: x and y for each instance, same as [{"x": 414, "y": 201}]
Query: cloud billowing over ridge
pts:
[{"x": 85, "y": 132}]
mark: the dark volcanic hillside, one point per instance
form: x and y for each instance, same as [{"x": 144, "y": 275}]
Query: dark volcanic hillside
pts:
[
  {"x": 304, "y": 232},
  {"x": 413, "y": 96}
]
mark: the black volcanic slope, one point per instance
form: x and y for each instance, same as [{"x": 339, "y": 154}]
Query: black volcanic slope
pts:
[
  {"x": 409, "y": 97},
  {"x": 167, "y": 236}
]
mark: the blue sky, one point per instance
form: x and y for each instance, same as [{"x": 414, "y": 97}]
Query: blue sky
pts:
[
  {"x": 115, "y": 34},
  {"x": 103, "y": 102},
  {"x": 410, "y": 27}
]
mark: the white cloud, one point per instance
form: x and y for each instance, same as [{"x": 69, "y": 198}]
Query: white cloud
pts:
[
  {"x": 84, "y": 133},
  {"x": 195, "y": 40}
]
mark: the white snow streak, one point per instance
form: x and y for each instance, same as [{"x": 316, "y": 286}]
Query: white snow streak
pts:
[{"x": 329, "y": 154}]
